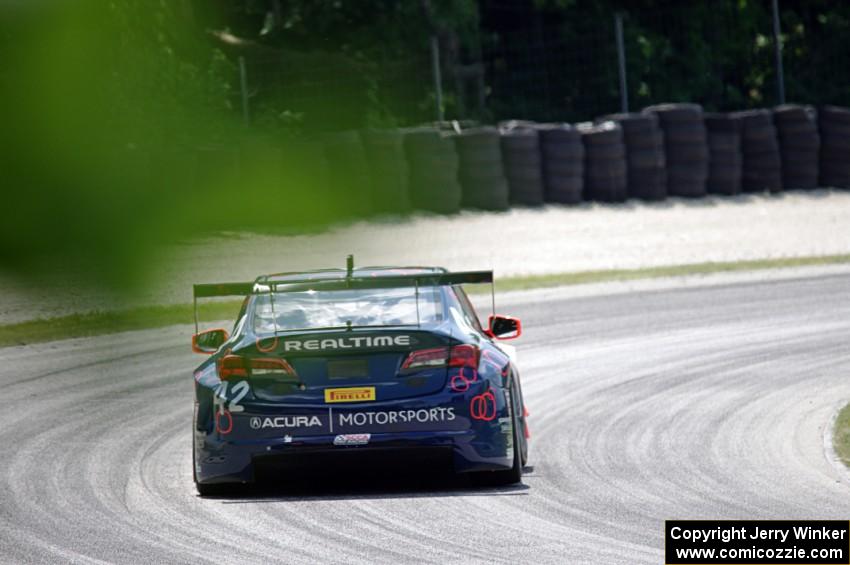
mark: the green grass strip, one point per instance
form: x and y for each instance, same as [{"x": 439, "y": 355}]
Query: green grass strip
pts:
[
  {"x": 841, "y": 435},
  {"x": 99, "y": 323},
  {"x": 585, "y": 277}
]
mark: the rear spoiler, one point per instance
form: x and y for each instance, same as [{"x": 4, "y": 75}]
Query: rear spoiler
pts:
[
  {"x": 261, "y": 286},
  {"x": 222, "y": 289},
  {"x": 351, "y": 281}
]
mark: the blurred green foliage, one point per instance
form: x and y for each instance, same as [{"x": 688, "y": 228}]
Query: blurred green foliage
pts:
[
  {"x": 123, "y": 120},
  {"x": 123, "y": 132},
  {"x": 99, "y": 99}
]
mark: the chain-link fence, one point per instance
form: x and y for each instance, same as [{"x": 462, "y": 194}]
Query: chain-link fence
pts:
[
  {"x": 326, "y": 91},
  {"x": 560, "y": 69}
]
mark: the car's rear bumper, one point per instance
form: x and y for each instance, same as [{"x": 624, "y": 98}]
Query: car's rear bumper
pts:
[{"x": 219, "y": 460}]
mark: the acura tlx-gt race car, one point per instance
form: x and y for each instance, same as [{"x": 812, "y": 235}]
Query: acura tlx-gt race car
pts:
[{"x": 369, "y": 361}]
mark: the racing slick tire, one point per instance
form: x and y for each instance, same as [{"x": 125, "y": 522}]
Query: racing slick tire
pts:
[
  {"x": 520, "y": 409},
  {"x": 514, "y": 474},
  {"x": 212, "y": 490}
]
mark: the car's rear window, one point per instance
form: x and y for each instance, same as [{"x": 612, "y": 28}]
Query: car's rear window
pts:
[{"x": 289, "y": 311}]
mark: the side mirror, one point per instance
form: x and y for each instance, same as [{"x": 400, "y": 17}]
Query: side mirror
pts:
[
  {"x": 209, "y": 341},
  {"x": 504, "y": 327}
]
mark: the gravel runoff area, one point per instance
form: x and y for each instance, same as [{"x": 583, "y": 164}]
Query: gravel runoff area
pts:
[{"x": 553, "y": 239}]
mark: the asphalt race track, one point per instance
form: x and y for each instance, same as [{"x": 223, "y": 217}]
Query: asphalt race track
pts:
[{"x": 709, "y": 402}]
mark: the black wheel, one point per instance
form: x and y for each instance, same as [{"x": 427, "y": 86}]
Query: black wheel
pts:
[
  {"x": 205, "y": 489},
  {"x": 519, "y": 408},
  {"x": 514, "y": 474},
  {"x": 212, "y": 490}
]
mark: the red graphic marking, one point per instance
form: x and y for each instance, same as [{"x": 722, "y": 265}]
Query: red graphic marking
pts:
[
  {"x": 267, "y": 348},
  {"x": 459, "y": 383},
  {"x": 483, "y": 406},
  {"x": 220, "y": 416}
]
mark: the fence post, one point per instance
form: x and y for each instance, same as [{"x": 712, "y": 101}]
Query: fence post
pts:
[
  {"x": 243, "y": 85},
  {"x": 438, "y": 79},
  {"x": 621, "y": 60},
  {"x": 777, "y": 47}
]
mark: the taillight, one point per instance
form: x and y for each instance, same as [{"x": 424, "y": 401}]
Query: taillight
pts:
[
  {"x": 465, "y": 359},
  {"x": 464, "y": 356},
  {"x": 271, "y": 366},
  {"x": 425, "y": 358},
  {"x": 457, "y": 356},
  {"x": 234, "y": 367}
]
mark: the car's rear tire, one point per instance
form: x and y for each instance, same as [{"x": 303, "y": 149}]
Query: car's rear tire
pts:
[
  {"x": 514, "y": 474},
  {"x": 206, "y": 489},
  {"x": 519, "y": 408},
  {"x": 524, "y": 459},
  {"x": 213, "y": 489}
]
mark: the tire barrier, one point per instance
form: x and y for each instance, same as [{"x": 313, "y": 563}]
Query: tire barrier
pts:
[
  {"x": 432, "y": 170},
  {"x": 388, "y": 167},
  {"x": 762, "y": 165},
  {"x": 645, "y": 159},
  {"x": 685, "y": 147},
  {"x": 799, "y": 145},
  {"x": 481, "y": 174},
  {"x": 605, "y": 172},
  {"x": 523, "y": 163},
  {"x": 834, "y": 125},
  {"x": 562, "y": 154},
  {"x": 350, "y": 181},
  {"x": 725, "y": 160},
  {"x": 666, "y": 149}
]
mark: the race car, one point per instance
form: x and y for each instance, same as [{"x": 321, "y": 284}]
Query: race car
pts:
[{"x": 374, "y": 361}]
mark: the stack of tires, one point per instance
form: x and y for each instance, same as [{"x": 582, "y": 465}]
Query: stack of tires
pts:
[
  {"x": 562, "y": 155},
  {"x": 349, "y": 173},
  {"x": 724, "y": 154},
  {"x": 762, "y": 166},
  {"x": 523, "y": 163},
  {"x": 799, "y": 145},
  {"x": 834, "y": 123},
  {"x": 388, "y": 167},
  {"x": 646, "y": 164},
  {"x": 432, "y": 168},
  {"x": 481, "y": 174},
  {"x": 685, "y": 147},
  {"x": 605, "y": 173}
]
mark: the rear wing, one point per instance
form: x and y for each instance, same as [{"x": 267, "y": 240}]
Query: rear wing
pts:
[{"x": 351, "y": 281}]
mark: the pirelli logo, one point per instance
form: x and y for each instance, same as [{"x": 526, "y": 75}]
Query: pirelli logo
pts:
[{"x": 351, "y": 394}]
